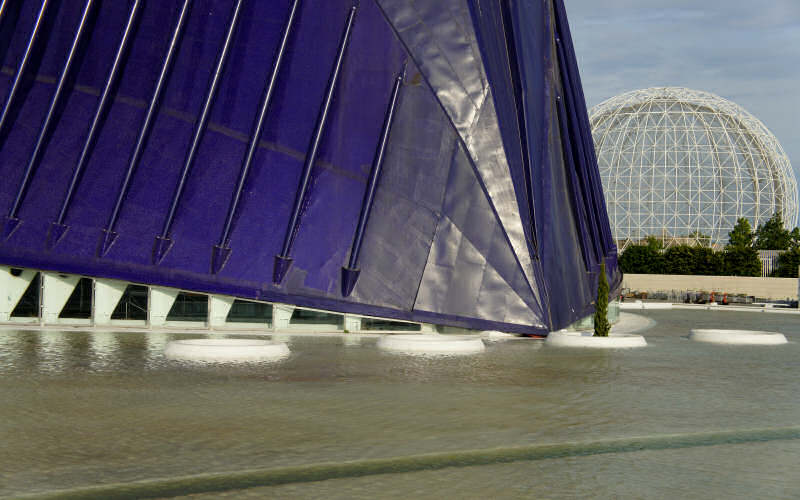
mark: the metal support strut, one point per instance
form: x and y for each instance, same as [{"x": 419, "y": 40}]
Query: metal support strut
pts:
[
  {"x": 566, "y": 147},
  {"x": 580, "y": 157},
  {"x": 350, "y": 272},
  {"x": 3, "y": 5},
  {"x": 38, "y": 150},
  {"x": 221, "y": 250},
  {"x": 109, "y": 235},
  {"x": 163, "y": 241},
  {"x": 58, "y": 228},
  {"x": 23, "y": 64},
  {"x": 283, "y": 261}
]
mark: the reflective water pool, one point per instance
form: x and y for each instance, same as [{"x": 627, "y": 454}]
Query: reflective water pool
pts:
[{"x": 82, "y": 409}]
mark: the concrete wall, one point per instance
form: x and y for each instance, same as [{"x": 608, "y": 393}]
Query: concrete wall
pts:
[{"x": 767, "y": 288}]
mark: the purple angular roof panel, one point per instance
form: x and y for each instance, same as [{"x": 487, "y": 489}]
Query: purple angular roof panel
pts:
[{"x": 478, "y": 218}]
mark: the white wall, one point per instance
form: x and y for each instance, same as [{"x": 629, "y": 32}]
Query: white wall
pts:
[{"x": 768, "y": 288}]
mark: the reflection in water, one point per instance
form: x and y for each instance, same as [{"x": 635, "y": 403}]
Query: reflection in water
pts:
[{"x": 106, "y": 407}]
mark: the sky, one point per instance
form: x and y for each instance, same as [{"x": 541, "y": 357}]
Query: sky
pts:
[{"x": 743, "y": 50}]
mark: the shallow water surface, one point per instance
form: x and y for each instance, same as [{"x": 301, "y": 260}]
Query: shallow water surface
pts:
[{"x": 80, "y": 409}]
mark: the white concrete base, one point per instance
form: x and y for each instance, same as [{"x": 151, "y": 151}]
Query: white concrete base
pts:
[
  {"x": 226, "y": 350},
  {"x": 160, "y": 301},
  {"x": 56, "y": 290},
  {"x": 107, "y": 294},
  {"x": 737, "y": 337},
  {"x": 432, "y": 345},
  {"x": 565, "y": 338},
  {"x": 638, "y": 304},
  {"x": 495, "y": 335},
  {"x": 12, "y": 288},
  {"x": 218, "y": 308}
]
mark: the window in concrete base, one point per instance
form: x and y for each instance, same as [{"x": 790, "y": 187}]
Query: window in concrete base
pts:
[
  {"x": 132, "y": 305},
  {"x": 385, "y": 324},
  {"x": 189, "y": 307},
  {"x": 244, "y": 311},
  {"x": 28, "y": 305},
  {"x": 304, "y": 317},
  {"x": 79, "y": 304}
]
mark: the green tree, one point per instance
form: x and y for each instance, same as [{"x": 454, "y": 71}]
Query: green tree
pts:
[
  {"x": 708, "y": 262},
  {"x": 788, "y": 263},
  {"x": 679, "y": 259},
  {"x": 741, "y": 257},
  {"x": 601, "y": 326},
  {"x": 654, "y": 243},
  {"x": 772, "y": 235},
  {"x": 641, "y": 259},
  {"x": 794, "y": 238},
  {"x": 741, "y": 235}
]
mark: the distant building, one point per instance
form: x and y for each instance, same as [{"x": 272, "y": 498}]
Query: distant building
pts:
[{"x": 683, "y": 165}]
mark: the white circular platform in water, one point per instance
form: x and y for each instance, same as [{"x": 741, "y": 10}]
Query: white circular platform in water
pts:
[
  {"x": 226, "y": 350},
  {"x": 587, "y": 339},
  {"x": 436, "y": 345},
  {"x": 737, "y": 337}
]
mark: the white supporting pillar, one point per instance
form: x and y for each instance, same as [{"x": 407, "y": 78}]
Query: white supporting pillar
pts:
[
  {"x": 107, "y": 294},
  {"x": 159, "y": 302},
  {"x": 281, "y": 315},
  {"x": 56, "y": 289},
  {"x": 12, "y": 288},
  {"x": 352, "y": 323},
  {"x": 218, "y": 308}
]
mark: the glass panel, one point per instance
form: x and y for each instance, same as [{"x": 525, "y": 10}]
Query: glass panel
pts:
[
  {"x": 385, "y": 324},
  {"x": 28, "y": 305},
  {"x": 133, "y": 304},
  {"x": 79, "y": 304},
  {"x": 244, "y": 311},
  {"x": 189, "y": 307},
  {"x": 306, "y": 317}
]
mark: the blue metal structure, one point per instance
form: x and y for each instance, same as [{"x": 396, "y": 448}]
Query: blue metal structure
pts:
[{"x": 464, "y": 192}]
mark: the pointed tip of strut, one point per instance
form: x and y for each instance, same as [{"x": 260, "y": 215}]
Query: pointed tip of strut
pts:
[
  {"x": 56, "y": 232},
  {"x": 162, "y": 246},
  {"x": 349, "y": 278},
  {"x": 282, "y": 265},
  {"x": 108, "y": 239},
  {"x": 11, "y": 225},
  {"x": 219, "y": 257}
]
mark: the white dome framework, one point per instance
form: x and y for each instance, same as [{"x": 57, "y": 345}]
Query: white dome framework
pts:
[{"x": 684, "y": 165}]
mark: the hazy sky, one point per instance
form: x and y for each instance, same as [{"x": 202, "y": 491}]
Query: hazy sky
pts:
[{"x": 746, "y": 51}]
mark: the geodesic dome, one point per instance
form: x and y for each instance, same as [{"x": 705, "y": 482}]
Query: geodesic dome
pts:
[{"x": 683, "y": 165}]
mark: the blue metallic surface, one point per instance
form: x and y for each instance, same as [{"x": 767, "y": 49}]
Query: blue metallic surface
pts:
[
  {"x": 476, "y": 219},
  {"x": 222, "y": 251},
  {"x": 23, "y": 65},
  {"x": 350, "y": 272},
  {"x": 199, "y": 129},
  {"x": 58, "y": 227},
  {"x": 109, "y": 235},
  {"x": 283, "y": 261}
]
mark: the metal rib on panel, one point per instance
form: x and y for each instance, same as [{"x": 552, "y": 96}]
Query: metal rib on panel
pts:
[
  {"x": 351, "y": 271},
  {"x": 13, "y": 220},
  {"x": 577, "y": 197},
  {"x": 222, "y": 250},
  {"x": 58, "y": 228},
  {"x": 109, "y": 236},
  {"x": 163, "y": 241},
  {"x": 23, "y": 65},
  {"x": 283, "y": 260}
]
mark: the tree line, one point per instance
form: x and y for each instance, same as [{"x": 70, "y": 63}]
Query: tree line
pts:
[{"x": 738, "y": 258}]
